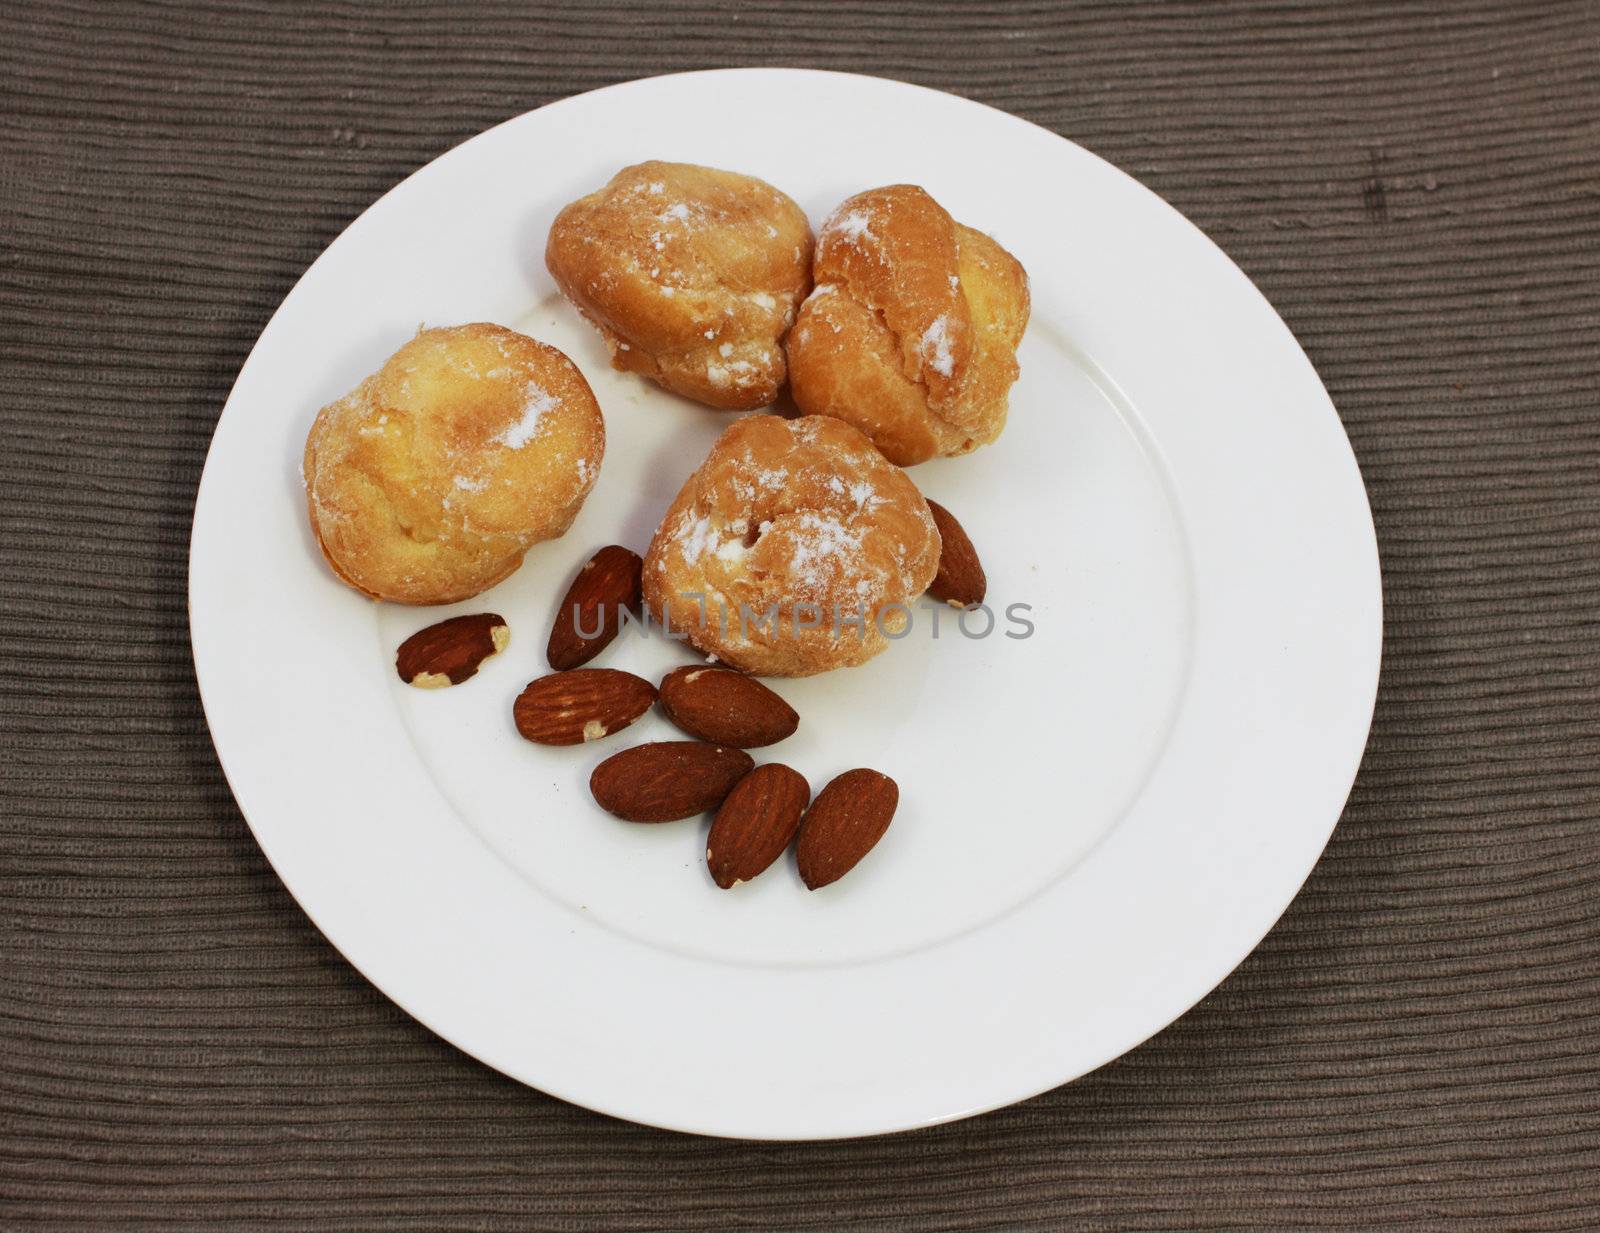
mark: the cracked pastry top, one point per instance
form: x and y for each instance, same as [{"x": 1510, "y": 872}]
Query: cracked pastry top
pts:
[
  {"x": 804, "y": 530},
  {"x": 428, "y": 482},
  {"x": 692, "y": 276},
  {"x": 911, "y": 331}
]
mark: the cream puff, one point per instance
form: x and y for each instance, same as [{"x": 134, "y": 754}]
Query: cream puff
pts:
[
  {"x": 692, "y": 276},
  {"x": 430, "y": 480},
  {"x": 794, "y": 549},
  {"x": 912, "y": 328}
]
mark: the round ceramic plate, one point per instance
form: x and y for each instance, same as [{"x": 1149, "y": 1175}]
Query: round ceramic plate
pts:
[{"x": 1107, "y": 797}]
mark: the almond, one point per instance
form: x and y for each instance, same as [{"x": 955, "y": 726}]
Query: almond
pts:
[
  {"x": 591, "y": 613},
  {"x": 960, "y": 581},
  {"x": 755, "y": 824},
  {"x": 848, "y": 817},
  {"x": 667, "y": 780},
  {"x": 451, "y": 651},
  {"x": 726, "y": 707},
  {"x": 569, "y": 708}
]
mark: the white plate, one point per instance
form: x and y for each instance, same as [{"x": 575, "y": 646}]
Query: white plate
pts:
[{"x": 1097, "y": 822}]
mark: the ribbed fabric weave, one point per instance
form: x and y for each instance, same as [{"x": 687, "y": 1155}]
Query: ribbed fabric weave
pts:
[{"x": 1417, "y": 190}]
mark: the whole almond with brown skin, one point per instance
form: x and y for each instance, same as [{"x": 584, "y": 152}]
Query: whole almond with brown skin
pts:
[
  {"x": 960, "y": 581},
  {"x": 569, "y": 708},
  {"x": 591, "y": 613},
  {"x": 755, "y": 824},
  {"x": 726, "y": 707},
  {"x": 451, "y": 651},
  {"x": 667, "y": 780},
  {"x": 848, "y": 817}
]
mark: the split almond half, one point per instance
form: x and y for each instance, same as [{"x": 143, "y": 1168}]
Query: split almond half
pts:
[{"x": 451, "y": 651}]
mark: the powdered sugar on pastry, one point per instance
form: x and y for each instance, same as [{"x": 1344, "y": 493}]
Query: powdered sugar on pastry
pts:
[
  {"x": 535, "y": 402},
  {"x": 936, "y": 347},
  {"x": 851, "y": 227}
]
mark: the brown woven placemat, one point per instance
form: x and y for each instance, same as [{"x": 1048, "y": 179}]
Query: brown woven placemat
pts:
[{"x": 1416, "y": 188}]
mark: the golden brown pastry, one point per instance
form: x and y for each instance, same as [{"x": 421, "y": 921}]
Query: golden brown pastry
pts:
[
  {"x": 810, "y": 530},
  {"x": 911, "y": 332},
  {"x": 428, "y": 482},
  {"x": 692, "y": 275}
]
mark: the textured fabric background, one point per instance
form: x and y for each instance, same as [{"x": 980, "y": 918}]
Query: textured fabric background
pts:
[{"x": 1417, "y": 189}]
